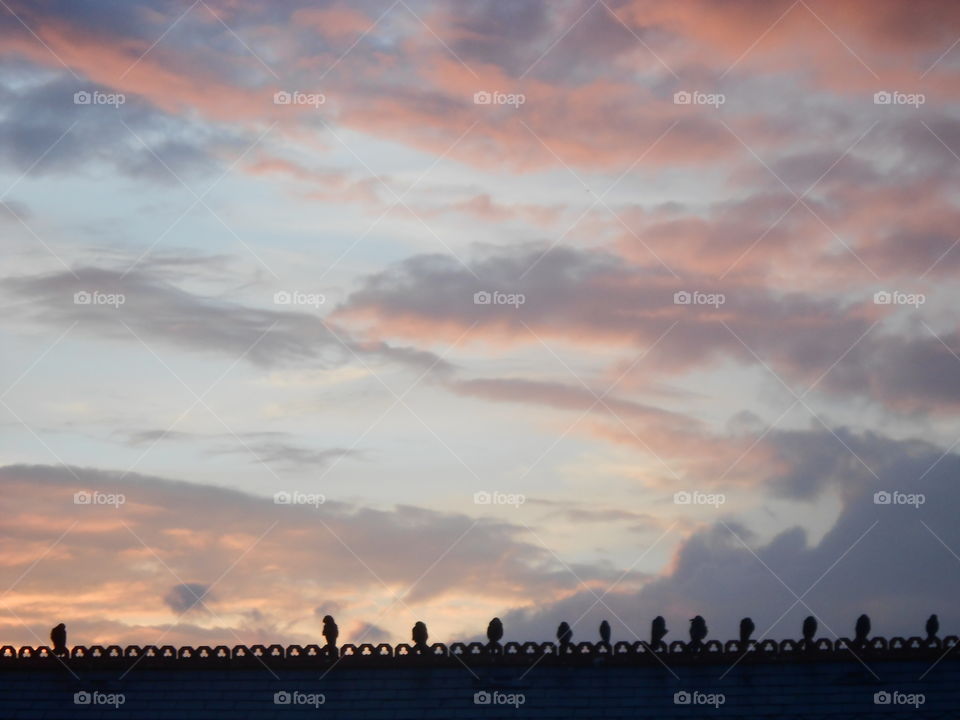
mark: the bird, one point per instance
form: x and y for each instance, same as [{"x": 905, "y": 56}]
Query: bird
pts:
[
  {"x": 330, "y": 630},
  {"x": 564, "y": 635},
  {"x": 698, "y": 631},
  {"x": 58, "y": 636},
  {"x": 862, "y": 630},
  {"x": 420, "y": 634},
  {"x": 746, "y": 630},
  {"x": 933, "y": 627},
  {"x": 809, "y": 631},
  {"x": 494, "y": 631},
  {"x": 658, "y": 628},
  {"x": 605, "y": 632}
]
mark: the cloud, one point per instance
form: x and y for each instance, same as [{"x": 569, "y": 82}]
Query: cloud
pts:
[
  {"x": 156, "y": 310},
  {"x": 186, "y": 596},
  {"x": 366, "y": 632},
  {"x": 272, "y": 565},
  {"x": 289, "y": 456},
  {"x": 576, "y": 64},
  {"x": 45, "y": 131},
  {"x": 594, "y": 298},
  {"x": 270, "y": 448},
  {"x": 893, "y": 562}
]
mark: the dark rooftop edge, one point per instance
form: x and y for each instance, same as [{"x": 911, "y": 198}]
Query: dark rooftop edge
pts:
[{"x": 368, "y": 654}]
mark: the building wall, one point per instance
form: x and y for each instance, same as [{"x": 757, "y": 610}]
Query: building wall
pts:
[{"x": 44, "y": 688}]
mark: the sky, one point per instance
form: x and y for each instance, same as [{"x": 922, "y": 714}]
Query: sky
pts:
[{"x": 420, "y": 310}]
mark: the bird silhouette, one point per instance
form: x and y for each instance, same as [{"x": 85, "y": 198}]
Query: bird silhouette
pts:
[
  {"x": 330, "y": 631},
  {"x": 605, "y": 632},
  {"x": 564, "y": 635},
  {"x": 658, "y": 629},
  {"x": 698, "y": 631},
  {"x": 809, "y": 631},
  {"x": 933, "y": 627},
  {"x": 420, "y": 634},
  {"x": 862, "y": 630},
  {"x": 58, "y": 636},
  {"x": 746, "y": 630},
  {"x": 495, "y": 631}
]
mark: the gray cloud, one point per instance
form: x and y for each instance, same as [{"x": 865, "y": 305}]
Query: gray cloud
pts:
[
  {"x": 591, "y": 297},
  {"x": 157, "y": 310},
  {"x": 186, "y": 596},
  {"x": 41, "y": 119},
  {"x": 885, "y": 560},
  {"x": 272, "y": 448}
]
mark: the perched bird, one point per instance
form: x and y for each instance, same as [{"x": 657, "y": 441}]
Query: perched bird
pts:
[
  {"x": 605, "y": 632},
  {"x": 698, "y": 631},
  {"x": 420, "y": 634},
  {"x": 58, "y": 636},
  {"x": 746, "y": 630},
  {"x": 862, "y": 630},
  {"x": 933, "y": 627},
  {"x": 658, "y": 629},
  {"x": 330, "y": 630},
  {"x": 564, "y": 635},
  {"x": 494, "y": 631},
  {"x": 809, "y": 631}
]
